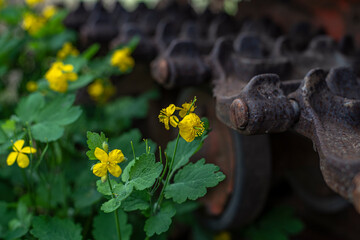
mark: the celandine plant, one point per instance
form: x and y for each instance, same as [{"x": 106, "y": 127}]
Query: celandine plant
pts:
[{"x": 155, "y": 189}]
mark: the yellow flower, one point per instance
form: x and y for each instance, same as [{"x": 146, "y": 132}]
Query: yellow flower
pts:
[
  {"x": 108, "y": 162},
  {"x": 223, "y": 236},
  {"x": 32, "y": 23},
  {"x": 18, "y": 154},
  {"x": 66, "y": 50},
  {"x": 166, "y": 116},
  {"x": 190, "y": 127},
  {"x": 49, "y": 11},
  {"x": 96, "y": 89},
  {"x": 185, "y": 109},
  {"x": 33, "y": 3},
  {"x": 101, "y": 90},
  {"x": 59, "y": 75},
  {"x": 31, "y": 86},
  {"x": 122, "y": 59}
]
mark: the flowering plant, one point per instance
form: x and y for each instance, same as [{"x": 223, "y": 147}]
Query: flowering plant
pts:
[{"x": 154, "y": 188}]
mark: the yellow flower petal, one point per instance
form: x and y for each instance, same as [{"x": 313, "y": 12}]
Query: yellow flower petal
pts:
[
  {"x": 71, "y": 76},
  {"x": 114, "y": 169},
  {"x": 190, "y": 127},
  {"x": 174, "y": 121},
  {"x": 185, "y": 109},
  {"x": 28, "y": 150},
  {"x": 11, "y": 158},
  {"x": 23, "y": 160},
  {"x": 170, "y": 110},
  {"x": 18, "y": 145},
  {"x": 116, "y": 156},
  {"x": 100, "y": 169},
  {"x": 68, "y": 68},
  {"x": 101, "y": 155}
]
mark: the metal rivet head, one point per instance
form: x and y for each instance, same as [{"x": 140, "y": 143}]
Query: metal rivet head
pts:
[{"x": 239, "y": 114}]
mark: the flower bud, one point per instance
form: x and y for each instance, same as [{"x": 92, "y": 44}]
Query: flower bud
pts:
[
  {"x": 105, "y": 146},
  {"x": 104, "y": 178}
]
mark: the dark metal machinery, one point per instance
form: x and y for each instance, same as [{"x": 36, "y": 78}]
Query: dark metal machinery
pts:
[{"x": 257, "y": 80}]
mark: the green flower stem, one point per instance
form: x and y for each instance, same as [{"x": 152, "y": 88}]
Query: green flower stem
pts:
[
  {"x": 116, "y": 211},
  {"x": 168, "y": 176},
  {"x": 30, "y": 183}
]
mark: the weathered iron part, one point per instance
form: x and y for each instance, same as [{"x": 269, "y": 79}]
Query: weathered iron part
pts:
[
  {"x": 321, "y": 52},
  {"x": 77, "y": 18},
  {"x": 181, "y": 65},
  {"x": 332, "y": 122},
  {"x": 233, "y": 70},
  {"x": 99, "y": 28},
  {"x": 325, "y": 108}
]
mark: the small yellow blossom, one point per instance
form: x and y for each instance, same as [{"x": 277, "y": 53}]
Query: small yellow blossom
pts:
[
  {"x": 33, "y": 3},
  {"x": 108, "y": 162},
  {"x": 66, "y": 50},
  {"x": 190, "y": 127},
  {"x": 18, "y": 154},
  {"x": 185, "y": 109},
  {"x": 31, "y": 86},
  {"x": 32, "y": 23},
  {"x": 223, "y": 236},
  {"x": 166, "y": 116},
  {"x": 58, "y": 76},
  {"x": 100, "y": 91},
  {"x": 49, "y": 11},
  {"x": 122, "y": 59},
  {"x": 96, "y": 89}
]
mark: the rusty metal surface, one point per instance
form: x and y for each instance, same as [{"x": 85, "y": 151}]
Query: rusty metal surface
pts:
[{"x": 325, "y": 108}]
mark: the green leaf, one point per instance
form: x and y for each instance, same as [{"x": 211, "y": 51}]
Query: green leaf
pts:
[
  {"x": 29, "y": 107},
  {"x": 91, "y": 51},
  {"x": 76, "y": 61},
  {"x": 55, "y": 229},
  {"x": 103, "y": 187},
  {"x": 184, "y": 151},
  {"x": 122, "y": 192},
  {"x": 144, "y": 172},
  {"x": 94, "y": 140},
  {"x": 160, "y": 222},
  {"x": 50, "y": 118},
  {"x": 60, "y": 111},
  {"x": 138, "y": 200},
  {"x": 47, "y": 131},
  {"x": 104, "y": 227},
  {"x": 82, "y": 81},
  {"x": 191, "y": 181}
]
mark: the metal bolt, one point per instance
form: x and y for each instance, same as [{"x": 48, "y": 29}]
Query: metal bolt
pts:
[{"x": 239, "y": 114}]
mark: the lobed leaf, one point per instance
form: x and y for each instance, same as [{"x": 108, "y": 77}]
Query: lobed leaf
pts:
[
  {"x": 55, "y": 229},
  {"x": 143, "y": 172},
  {"x": 94, "y": 140},
  {"x": 28, "y": 107},
  {"x": 184, "y": 151},
  {"x": 191, "y": 181},
  {"x": 122, "y": 192},
  {"x": 160, "y": 222},
  {"x": 138, "y": 200}
]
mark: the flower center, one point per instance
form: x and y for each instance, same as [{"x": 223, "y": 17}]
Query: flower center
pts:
[{"x": 108, "y": 163}]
